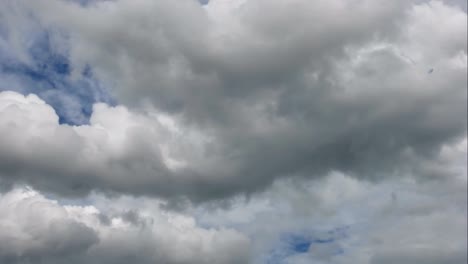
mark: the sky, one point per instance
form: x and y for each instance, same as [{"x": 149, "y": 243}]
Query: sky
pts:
[{"x": 233, "y": 131}]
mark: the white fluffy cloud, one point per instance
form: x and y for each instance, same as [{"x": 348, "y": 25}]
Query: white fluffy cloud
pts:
[
  {"x": 119, "y": 150},
  {"x": 34, "y": 229}
]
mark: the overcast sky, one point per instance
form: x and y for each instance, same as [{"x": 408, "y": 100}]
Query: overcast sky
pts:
[{"x": 233, "y": 131}]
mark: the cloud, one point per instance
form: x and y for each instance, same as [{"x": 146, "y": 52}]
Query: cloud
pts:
[
  {"x": 164, "y": 158},
  {"x": 245, "y": 131},
  {"x": 36, "y": 229},
  {"x": 74, "y": 160},
  {"x": 371, "y": 216},
  {"x": 33, "y": 228},
  {"x": 338, "y": 219},
  {"x": 254, "y": 108},
  {"x": 331, "y": 87},
  {"x": 421, "y": 257}
]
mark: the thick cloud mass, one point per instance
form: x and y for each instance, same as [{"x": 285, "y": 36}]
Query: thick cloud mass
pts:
[
  {"x": 118, "y": 151},
  {"x": 34, "y": 229},
  {"x": 234, "y": 131},
  {"x": 302, "y": 89}
]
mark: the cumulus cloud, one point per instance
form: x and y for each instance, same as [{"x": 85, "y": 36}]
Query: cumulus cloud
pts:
[
  {"x": 335, "y": 219},
  {"x": 344, "y": 121},
  {"x": 103, "y": 155},
  {"x": 252, "y": 97},
  {"x": 338, "y": 219},
  {"x": 35, "y": 229}
]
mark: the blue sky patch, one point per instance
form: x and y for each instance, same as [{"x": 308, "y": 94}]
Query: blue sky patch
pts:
[
  {"x": 47, "y": 74},
  {"x": 300, "y": 244},
  {"x": 315, "y": 243}
]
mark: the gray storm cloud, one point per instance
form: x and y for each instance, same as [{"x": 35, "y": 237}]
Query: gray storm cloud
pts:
[
  {"x": 243, "y": 131},
  {"x": 238, "y": 94}
]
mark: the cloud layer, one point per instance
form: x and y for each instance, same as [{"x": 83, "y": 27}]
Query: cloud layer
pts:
[
  {"x": 233, "y": 131},
  {"x": 250, "y": 98},
  {"x": 35, "y": 229}
]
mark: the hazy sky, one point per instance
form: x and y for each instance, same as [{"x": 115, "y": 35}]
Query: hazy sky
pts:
[{"x": 233, "y": 131}]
